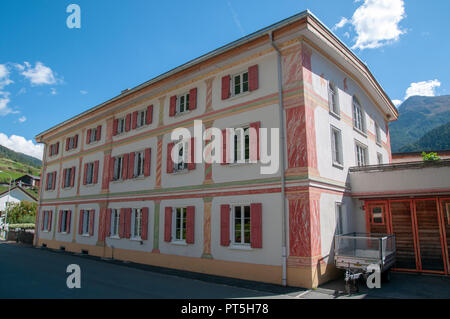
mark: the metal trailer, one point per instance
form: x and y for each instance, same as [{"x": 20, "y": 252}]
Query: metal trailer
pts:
[{"x": 355, "y": 252}]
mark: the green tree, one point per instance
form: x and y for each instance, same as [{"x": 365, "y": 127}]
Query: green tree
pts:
[
  {"x": 430, "y": 157},
  {"x": 23, "y": 212}
]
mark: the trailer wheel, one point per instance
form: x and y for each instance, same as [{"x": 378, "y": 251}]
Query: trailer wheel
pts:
[{"x": 386, "y": 276}]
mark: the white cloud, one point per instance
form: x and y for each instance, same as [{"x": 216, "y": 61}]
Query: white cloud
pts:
[
  {"x": 83, "y": 92},
  {"x": 22, "y": 119},
  {"x": 38, "y": 75},
  {"x": 53, "y": 91},
  {"x": 236, "y": 18},
  {"x": 424, "y": 88},
  {"x": 22, "y": 145},
  {"x": 376, "y": 23},
  {"x": 4, "y": 76},
  {"x": 4, "y": 101},
  {"x": 397, "y": 102}
]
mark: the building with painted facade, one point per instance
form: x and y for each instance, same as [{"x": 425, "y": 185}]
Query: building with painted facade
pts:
[{"x": 110, "y": 189}]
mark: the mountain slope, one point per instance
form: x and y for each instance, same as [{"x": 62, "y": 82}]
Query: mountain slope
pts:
[
  {"x": 14, "y": 165},
  {"x": 436, "y": 139},
  {"x": 19, "y": 157},
  {"x": 418, "y": 115}
]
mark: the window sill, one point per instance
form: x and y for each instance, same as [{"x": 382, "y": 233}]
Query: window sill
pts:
[
  {"x": 336, "y": 115},
  {"x": 337, "y": 165},
  {"x": 234, "y": 97},
  {"x": 182, "y": 113},
  {"x": 240, "y": 247},
  {"x": 378, "y": 143},
  {"x": 179, "y": 242},
  {"x": 360, "y": 132},
  {"x": 114, "y": 237},
  {"x": 136, "y": 239},
  {"x": 68, "y": 188},
  {"x": 241, "y": 164},
  {"x": 85, "y": 235},
  {"x": 181, "y": 172}
]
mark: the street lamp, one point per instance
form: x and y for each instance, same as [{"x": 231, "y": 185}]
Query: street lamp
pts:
[{"x": 9, "y": 192}]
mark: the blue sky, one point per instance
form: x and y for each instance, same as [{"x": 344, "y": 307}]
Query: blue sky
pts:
[{"x": 49, "y": 72}]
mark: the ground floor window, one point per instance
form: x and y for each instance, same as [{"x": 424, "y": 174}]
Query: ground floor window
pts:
[
  {"x": 179, "y": 230},
  {"x": 115, "y": 222},
  {"x": 86, "y": 219},
  {"x": 241, "y": 225},
  {"x": 136, "y": 223}
]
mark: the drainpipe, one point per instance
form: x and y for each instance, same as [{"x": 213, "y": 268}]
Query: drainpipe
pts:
[{"x": 283, "y": 168}]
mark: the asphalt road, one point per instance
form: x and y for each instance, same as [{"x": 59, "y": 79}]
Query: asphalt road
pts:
[{"x": 27, "y": 272}]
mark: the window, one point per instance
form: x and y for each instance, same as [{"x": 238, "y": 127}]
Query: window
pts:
[
  {"x": 54, "y": 149},
  {"x": 69, "y": 177},
  {"x": 141, "y": 116},
  {"x": 179, "y": 230},
  {"x": 65, "y": 221},
  {"x": 339, "y": 219},
  {"x": 361, "y": 155},
  {"x": 241, "y": 145},
  {"x": 138, "y": 164},
  {"x": 71, "y": 143},
  {"x": 358, "y": 116},
  {"x": 239, "y": 83},
  {"x": 333, "y": 99},
  {"x": 182, "y": 156},
  {"x": 93, "y": 136},
  {"x": 183, "y": 103},
  {"x": 50, "y": 180},
  {"x": 121, "y": 125},
  {"x": 377, "y": 215},
  {"x": 46, "y": 221},
  {"x": 448, "y": 213},
  {"x": 115, "y": 214},
  {"x": 336, "y": 146},
  {"x": 241, "y": 225},
  {"x": 86, "y": 220},
  {"x": 380, "y": 158},
  {"x": 118, "y": 167},
  {"x": 136, "y": 225},
  {"x": 377, "y": 134},
  {"x": 90, "y": 173}
]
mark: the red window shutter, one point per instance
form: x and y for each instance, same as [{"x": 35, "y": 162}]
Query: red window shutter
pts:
[
  {"x": 49, "y": 226},
  {"x": 191, "y": 165},
  {"x": 75, "y": 141},
  {"x": 69, "y": 219},
  {"x": 147, "y": 161},
  {"x": 91, "y": 222},
  {"x": 131, "y": 165},
  {"x": 57, "y": 148},
  {"x": 60, "y": 221},
  {"x": 128, "y": 223},
  {"x": 173, "y": 105},
  {"x": 99, "y": 133},
  {"x": 96, "y": 165},
  {"x": 42, "y": 220},
  {"x": 122, "y": 222},
  {"x": 108, "y": 222},
  {"x": 111, "y": 168},
  {"x": 80, "y": 222},
  {"x": 256, "y": 225},
  {"x": 64, "y": 178},
  {"x": 225, "y": 143},
  {"x": 135, "y": 114},
  {"x": 72, "y": 177},
  {"x": 54, "y": 180},
  {"x": 226, "y": 87},
  {"x": 85, "y": 174},
  {"x": 254, "y": 141},
  {"x": 124, "y": 166},
  {"x": 225, "y": 225},
  {"x": 168, "y": 224},
  {"x": 46, "y": 184},
  {"x": 149, "y": 117},
  {"x": 67, "y": 143},
  {"x": 193, "y": 99},
  {"x": 190, "y": 224},
  {"x": 253, "y": 77},
  {"x": 115, "y": 126},
  {"x": 144, "y": 224},
  {"x": 88, "y": 136},
  {"x": 128, "y": 122},
  {"x": 169, "y": 158}
]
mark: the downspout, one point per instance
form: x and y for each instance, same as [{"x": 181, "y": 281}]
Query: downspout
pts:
[{"x": 283, "y": 168}]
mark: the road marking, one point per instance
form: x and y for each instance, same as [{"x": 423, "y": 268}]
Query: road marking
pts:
[{"x": 302, "y": 294}]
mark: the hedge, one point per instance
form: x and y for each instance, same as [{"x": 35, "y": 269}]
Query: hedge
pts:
[{"x": 23, "y": 226}]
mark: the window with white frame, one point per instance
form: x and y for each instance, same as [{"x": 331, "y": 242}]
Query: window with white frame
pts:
[
  {"x": 361, "y": 154},
  {"x": 68, "y": 177},
  {"x": 71, "y": 143},
  {"x": 241, "y": 145},
  {"x": 64, "y": 221},
  {"x": 358, "y": 115},
  {"x": 121, "y": 125},
  {"x": 333, "y": 98},
  {"x": 93, "y": 136},
  {"x": 182, "y": 103},
  {"x": 138, "y": 164},
  {"x": 50, "y": 181},
  {"x": 136, "y": 225},
  {"x": 240, "y": 224},
  {"x": 115, "y": 214},
  {"x": 239, "y": 83},
  {"x": 377, "y": 134},
  {"x": 118, "y": 167},
  {"x": 45, "y": 221},
  {"x": 336, "y": 146},
  {"x": 339, "y": 219},
  {"x": 179, "y": 227},
  {"x": 86, "y": 220},
  {"x": 380, "y": 158},
  {"x": 141, "y": 118},
  {"x": 90, "y": 173},
  {"x": 181, "y": 164}
]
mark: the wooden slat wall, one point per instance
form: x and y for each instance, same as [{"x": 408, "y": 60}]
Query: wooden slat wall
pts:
[
  {"x": 446, "y": 213},
  {"x": 404, "y": 239}
]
